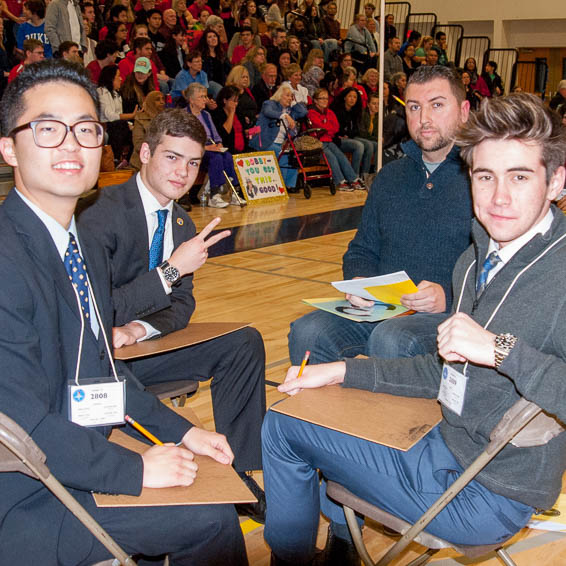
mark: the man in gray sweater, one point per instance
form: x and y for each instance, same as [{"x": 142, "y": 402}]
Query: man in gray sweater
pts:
[
  {"x": 506, "y": 339},
  {"x": 392, "y": 62}
]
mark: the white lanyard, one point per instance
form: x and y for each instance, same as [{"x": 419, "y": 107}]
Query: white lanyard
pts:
[{"x": 101, "y": 325}]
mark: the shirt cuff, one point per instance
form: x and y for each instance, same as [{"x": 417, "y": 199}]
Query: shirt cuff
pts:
[
  {"x": 150, "y": 331},
  {"x": 166, "y": 286}
]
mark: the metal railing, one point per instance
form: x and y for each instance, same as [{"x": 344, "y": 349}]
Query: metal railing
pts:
[
  {"x": 400, "y": 11},
  {"x": 453, "y": 33},
  {"x": 423, "y": 22},
  {"x": 505, "y": 59},
  {"x": 471, "y": 46}
]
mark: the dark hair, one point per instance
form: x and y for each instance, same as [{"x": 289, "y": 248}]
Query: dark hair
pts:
[
  {"x": 104, "y": 48},
  {"x": 86, "y": 5},
  {"x": 130, "y": 88},
  {"x": 113, "y": 30},
  {"x": 414, "y": 36},
  {"x": 492, "y": 64},
  {"x": 427, "y": 73},
  {"x": 150, "y": 13},
  {"x": 226, "y": 93},
  {"x": 115, "y": 11},
  {"x": 202, "y": 46},
  {"x": 44, "y": 72},
  {"x": 36, "y": 7},
  {"x": 439, "y": 34},
  {"x": 106, "y": 78},
  {"x": 246, "y": 28},
  {"x": 339, "y": 102},
  {"x": 521, "y": 116},
  {"x": 65, "y": 46},
  {"x": 140, "y": 43},
  {"x": 177, "y": 123}
]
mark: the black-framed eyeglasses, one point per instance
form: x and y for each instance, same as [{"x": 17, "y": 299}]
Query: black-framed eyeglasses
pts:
[{"x": 52, "y": 133}]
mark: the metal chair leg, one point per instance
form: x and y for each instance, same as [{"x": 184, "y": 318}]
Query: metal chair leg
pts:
[
  {"x": 505, "y": 558},
  {"x": 424, "y": 558},
  {"x": 357, "y": 536}
]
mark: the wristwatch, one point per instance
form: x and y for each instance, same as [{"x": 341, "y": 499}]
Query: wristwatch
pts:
[
  {"x": 503, "y": 345},
  {"x": 170, "y": 273}
]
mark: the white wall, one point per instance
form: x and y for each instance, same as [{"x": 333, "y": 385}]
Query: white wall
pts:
[{"x": 508, "y": 23}]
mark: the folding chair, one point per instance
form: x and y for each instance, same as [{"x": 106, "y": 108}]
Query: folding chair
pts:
[
  {"x": 177, "y": 391},
  {"x": 511, "y": 427},
  {"x": 19, "y": 453}
]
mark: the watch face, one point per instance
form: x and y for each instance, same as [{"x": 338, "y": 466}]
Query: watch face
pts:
[{"x": 171, "y": 273}]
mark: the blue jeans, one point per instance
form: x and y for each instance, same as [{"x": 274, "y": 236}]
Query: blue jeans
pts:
[
  {"x": 403, "y": 483},
  {"x": 289, "y": 174},
  {"x": 356, "y": 148},
  {"x": 370, "y": 152},
  {"x": 216, "y": 163},
  {"x": 330, "y": 337},
  {"x": 327, "y": 46},
  {"x": 339, "y": 164}
]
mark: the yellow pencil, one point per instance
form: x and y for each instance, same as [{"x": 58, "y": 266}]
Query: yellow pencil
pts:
[
  {"x": 143, "y": 430},
  {"x": 304, "y": 363}
]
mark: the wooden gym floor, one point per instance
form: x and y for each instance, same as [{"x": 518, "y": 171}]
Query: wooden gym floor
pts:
[{"x": 264, "y": 285}]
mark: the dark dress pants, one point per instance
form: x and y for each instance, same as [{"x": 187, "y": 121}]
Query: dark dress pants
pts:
[
  {"x": 192, "y": 535},
  {"x": 236, "y": 362}
]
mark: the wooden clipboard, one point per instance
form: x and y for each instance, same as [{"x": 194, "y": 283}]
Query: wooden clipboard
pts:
[
  {"x": 397, "y": 422},
  {"x": 194, "y": 333},
  {"x": 215, "y": 483}
]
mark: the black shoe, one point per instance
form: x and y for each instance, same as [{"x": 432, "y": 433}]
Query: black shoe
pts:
[
  {"x": 255, "y": 511},
  {"x": 293, "y": 190},
  {"x": 338, "y": 552}
]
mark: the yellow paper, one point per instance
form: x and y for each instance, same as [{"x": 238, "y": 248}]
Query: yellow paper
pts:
[{"x": 392, "y": 293}]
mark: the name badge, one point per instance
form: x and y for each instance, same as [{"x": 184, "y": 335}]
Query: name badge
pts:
[
  {"x": 97, "y": 401},
  {"x": 452, "y": 390}
]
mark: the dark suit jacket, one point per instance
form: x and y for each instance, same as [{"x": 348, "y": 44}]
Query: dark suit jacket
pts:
[
  {"x": 117, "y": 220},
  {"x": 38, "y": 352}
]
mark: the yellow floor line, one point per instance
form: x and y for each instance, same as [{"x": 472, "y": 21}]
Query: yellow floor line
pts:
[{"x": 248, "y": 526}]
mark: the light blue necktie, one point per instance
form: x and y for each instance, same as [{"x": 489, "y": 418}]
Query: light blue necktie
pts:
[
  {"x": 156, "y": 248},
  {"x": 490, "y": 262},
  {"x": 76, "y": 269}
]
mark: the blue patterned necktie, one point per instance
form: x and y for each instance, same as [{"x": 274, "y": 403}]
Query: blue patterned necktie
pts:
[
  {"x": 490, "y": 262},
  {"x": 156, "y": 248},
  {"x": 76, "y": 269}
]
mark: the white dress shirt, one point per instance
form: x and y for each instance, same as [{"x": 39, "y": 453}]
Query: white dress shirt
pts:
[
  {"x": 150, "y": 207},
  {"x": 507, "y": 252}
]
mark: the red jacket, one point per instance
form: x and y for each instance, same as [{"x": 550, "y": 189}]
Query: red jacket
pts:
[
  {"x": 15, "y": 72},
  {"x": 326, "y": 120},
  {"x": 128, "y": 63}
]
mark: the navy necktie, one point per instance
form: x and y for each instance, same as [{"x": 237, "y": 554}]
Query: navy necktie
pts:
[
  {"x": 490, "y": 262},
  {"x": 76, "y": 269},
  {"x": 156, "y": 248}
]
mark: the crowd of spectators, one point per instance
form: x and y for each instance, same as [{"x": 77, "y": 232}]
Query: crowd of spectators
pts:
[{"x": 241, "y": 52}]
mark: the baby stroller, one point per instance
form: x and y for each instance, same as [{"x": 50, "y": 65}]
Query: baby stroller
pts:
[{"x": 306, "y": 154}]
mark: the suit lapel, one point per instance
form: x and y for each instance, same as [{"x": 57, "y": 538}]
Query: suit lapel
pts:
[
  {"x": 40, "y": 246},
  {"x": 137, "y": 224}
]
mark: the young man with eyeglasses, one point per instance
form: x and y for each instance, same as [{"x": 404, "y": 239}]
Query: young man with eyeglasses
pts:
[
  {"x": 33, "y": 51},
  {"x": 57, "y": 316}
]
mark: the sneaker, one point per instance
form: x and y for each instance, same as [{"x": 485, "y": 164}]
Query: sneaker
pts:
[
  {"x": 217, "y": 201},
  {"x": 358, "y": 185},
  {"x": 344, "y": 186},
  {"x": 235, "y": 201}
]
